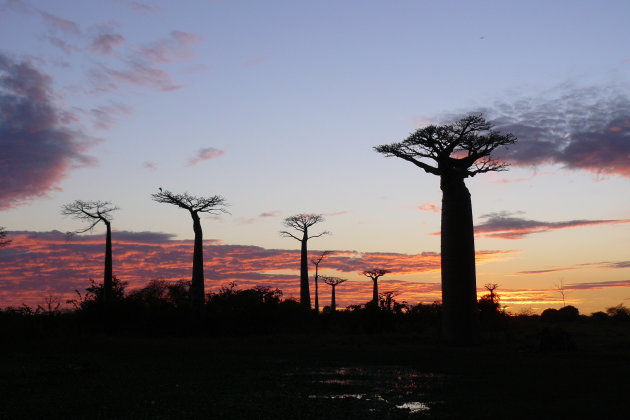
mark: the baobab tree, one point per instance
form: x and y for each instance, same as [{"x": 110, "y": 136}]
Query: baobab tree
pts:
[
  {"x": 95, "y": 212},
  {"x": 333, "y": 282},
  {"x": 302, "y": 222},
  {"x": 195, "y": 205},
  {"x": 3, "y": 237},
  {"x": 459, "y": 150},
  {"x": 316, "y": 262},
  {"x": 375, "y": 274}
]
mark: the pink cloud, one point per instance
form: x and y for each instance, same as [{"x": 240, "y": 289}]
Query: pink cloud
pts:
[
  {"x": 105, "y": 43},
  {"x": 206, "y": 153},
  {"x": 176, "y": 47},
  {"x": 256, "y": 61},
  {"x": 149, "y": 164},
  {"x": 41, "y": 263}
]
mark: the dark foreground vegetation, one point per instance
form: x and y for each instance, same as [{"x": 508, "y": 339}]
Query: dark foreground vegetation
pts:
[{"x": 260, "y": 357}]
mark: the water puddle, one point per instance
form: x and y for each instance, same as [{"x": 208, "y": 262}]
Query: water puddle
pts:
[{"x": 378, "y": 390}]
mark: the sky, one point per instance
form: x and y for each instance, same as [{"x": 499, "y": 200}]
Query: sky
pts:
[{"x": 277, "y": 105}]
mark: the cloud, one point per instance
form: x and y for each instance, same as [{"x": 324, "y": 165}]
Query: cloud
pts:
[
  {"x": 59, "y": 23},
  {"x": 39, "y": 263},
  {"x": 596, "y": 285},
  {"x": 105, "y": 116},
  {"x": 260, "y": 217},
  {"x": 336, "y": 213},
  {"x": 105, "y": 43},
  {"x": 578, "y": 128},
  {"x": 256, "y": 61},
  {"x": 602, "y": 265},
  {"x": 138, "y": 7},
  {"x": 176, "y": 47},
  {"x": 37, "y": 146},
  {"x": 205, "y": 153},
  {"x": 432, "y": 207},
  {"x": 149, "y": 164},
  {"x": 136, "y": 72},
  {"x": 504, "y": 226}
]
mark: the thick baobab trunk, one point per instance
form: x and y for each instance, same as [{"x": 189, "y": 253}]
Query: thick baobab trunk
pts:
[
  {"x": 197, "y": 288},
  {"x": 107, "y": 277},
  {"x": 459, "y": 285},
  {"x": 305, "y": 294},
  {"x": 375, "y": 293},
  {"x": 333, "y": 301}
]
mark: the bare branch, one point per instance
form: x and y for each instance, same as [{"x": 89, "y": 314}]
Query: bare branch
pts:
[
  {"x": 286, "y": 234},
  {"x": 301, "y": 222},
  {"x": 332, "y": 281},
  {"x": 316, "y": 261},
  {"x": 462, "y": 148},
  {"x": 375, "y": 273},
  {"x": 90, "y": 211},
  {"x": 211, "y": 205}
]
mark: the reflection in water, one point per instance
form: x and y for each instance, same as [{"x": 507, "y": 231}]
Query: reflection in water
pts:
[
  {"x": 414, "y": 407},
  {"x": 379, "y": 389}
]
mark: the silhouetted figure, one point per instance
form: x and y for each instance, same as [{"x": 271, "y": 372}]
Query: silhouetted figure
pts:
[
  {"x": 3, "y": 237},
  {"x": 95, "y": 212},
  {"x": 375, "y": 274},
  {"x": 459, "y": 150},
  {"x": 333, "y": 282},
  {"x": 195, "y": 205},
  {"x": 302, "y": 222},
  {"x": 316, "y": 262}
]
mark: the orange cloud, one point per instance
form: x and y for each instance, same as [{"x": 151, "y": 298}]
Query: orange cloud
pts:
[{"x": 42, "y": 263}]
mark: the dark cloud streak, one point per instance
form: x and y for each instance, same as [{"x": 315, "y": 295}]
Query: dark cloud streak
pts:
[{"x": 37, "y": 146}]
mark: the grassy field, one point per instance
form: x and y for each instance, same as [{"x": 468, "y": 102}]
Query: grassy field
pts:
[{"x": 55, "y": 375}]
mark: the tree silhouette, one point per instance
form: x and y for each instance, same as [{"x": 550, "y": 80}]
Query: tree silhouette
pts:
[
  {"x": 315, "y": 262},
  {"x": 333, "y": 282},
  {"x": 95, "y": 212},
  {"x": 302, "y": 222},
  {"x": 195, "y": 205},
  {"x": 459, "y": 150},
  {"x": 374, "y": 274},
  {"x": 3, "y": 237}
]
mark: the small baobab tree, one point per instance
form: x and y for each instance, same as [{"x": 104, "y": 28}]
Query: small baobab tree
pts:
[
  {"x": 302, "y": 223},
  {"x": 455, "y": 152},
  {"x": 333, "y": 282},
  {"x": 195, "y": 205},
  {"x": 375, "y": 274},
  {"x": 95, "y": 212},
  {"x": 3, "y": 237},
  {"x": 316, "y": 262}
]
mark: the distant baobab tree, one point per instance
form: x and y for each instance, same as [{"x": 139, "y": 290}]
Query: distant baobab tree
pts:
[
  {"x": 333, "y": 282},
  {"x": 375, "y": 274},
  {"x": 195, "y": 205},
  {"x": 3, "y": 237},
  {"x": 302, "y": 222},
  {"x": 316, "y": 262},
  {"x": 458, "y": 150},
  {"x": 95, "y": 212}
]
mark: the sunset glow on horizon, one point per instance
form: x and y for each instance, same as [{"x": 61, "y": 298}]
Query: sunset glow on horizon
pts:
[{"x": 276, "y": 106}]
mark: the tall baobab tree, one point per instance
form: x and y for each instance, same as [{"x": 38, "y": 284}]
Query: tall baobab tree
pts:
[
  {"x": 333, "y": 282},
  {"x": 459, "y": 150},
  {"x": 302, "y": 222},
  {"x": 195, "y": 205},
  {"x": 3, "y": 237},
  {"x": 316, "y": 262},
  {"x": 375, "y": 274},
  {"x": 95, "y": 212}
]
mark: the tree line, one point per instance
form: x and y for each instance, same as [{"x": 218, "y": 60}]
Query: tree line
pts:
[{"x": 453, "y": 152}]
